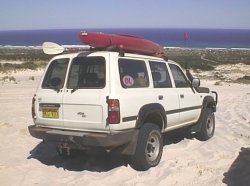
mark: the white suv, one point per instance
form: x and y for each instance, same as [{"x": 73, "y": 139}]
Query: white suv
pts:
[{"x": 119, "y": 102}]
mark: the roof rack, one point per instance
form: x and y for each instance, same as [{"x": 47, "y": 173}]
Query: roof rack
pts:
[{"x": 52, "y": 48}]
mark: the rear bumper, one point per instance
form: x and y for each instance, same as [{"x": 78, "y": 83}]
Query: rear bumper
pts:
[{"x": 127, "y": 138}]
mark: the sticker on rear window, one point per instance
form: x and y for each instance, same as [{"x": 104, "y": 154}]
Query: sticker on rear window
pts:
[{"x": 128, "y": 81}]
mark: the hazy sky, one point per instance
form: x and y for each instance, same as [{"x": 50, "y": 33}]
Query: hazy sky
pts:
[{"x": 49, "y": 14}]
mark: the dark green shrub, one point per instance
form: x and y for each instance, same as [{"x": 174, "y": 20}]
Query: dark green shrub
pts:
[{"x": 244, "y": 79}]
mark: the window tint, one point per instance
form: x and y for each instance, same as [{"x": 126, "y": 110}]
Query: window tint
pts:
[
  {"x": 179, "y": 78},
  {"x": 160, "y": 75},
  {"x": 87, "y": 72},
  {"x": 133, "y": 73},
  {"x": 55, "y": 75}
]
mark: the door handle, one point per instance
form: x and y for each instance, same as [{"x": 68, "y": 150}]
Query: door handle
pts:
[
  {"x": 182, "y": 95},
  {"x": 160, "y": 97}
]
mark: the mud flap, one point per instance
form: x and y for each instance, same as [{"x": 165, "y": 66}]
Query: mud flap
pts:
[{"x": 129, "y": 149}]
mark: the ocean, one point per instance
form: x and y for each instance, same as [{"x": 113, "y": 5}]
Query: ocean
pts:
[{"x": 190, "y": 38}]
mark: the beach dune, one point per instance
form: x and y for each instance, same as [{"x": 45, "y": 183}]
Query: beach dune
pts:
[{"x": 222, "y": 160}]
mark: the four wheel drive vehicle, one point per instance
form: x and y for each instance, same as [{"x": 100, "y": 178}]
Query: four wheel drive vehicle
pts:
[{"x": 119, "y": 102}]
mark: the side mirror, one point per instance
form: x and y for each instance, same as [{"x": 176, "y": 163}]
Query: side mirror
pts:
[{"x": 196, "y": 82}]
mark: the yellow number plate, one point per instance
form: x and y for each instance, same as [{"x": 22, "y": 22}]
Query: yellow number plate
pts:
[{"x": 50, "y": 113}]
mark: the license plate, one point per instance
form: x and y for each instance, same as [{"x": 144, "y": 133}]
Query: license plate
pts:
[{"x": 50, "y": 113}]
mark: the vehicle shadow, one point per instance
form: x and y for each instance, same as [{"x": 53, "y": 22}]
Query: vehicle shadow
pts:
[
  {"x": 174, "y": 137},
  {"x": 239, "y": 172},
  {"x": 95, "y": 161}
]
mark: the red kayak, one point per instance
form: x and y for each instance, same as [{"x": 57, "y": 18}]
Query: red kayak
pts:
[{"x": 127, "y": 43}]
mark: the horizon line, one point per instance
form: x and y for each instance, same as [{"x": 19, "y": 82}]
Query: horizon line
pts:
[{"x": 98, "y": 28}]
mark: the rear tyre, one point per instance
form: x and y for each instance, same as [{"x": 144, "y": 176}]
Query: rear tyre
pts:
[
  {"x": 207, "y": 126},
  {"x": 148, "y": 149}
]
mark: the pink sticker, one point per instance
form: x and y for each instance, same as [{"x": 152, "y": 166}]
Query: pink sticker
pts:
[{"x": 128, "y": 81}]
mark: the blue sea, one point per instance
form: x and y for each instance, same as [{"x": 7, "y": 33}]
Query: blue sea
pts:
[{"x": 190, "y": 38}]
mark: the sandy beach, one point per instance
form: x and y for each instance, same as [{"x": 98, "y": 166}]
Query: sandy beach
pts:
[{"x": 222, "y": 160}]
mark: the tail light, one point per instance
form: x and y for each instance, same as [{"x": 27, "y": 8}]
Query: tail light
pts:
[
  {"x": 33, "y": 108},
  {"x": 113, "y": 111}
]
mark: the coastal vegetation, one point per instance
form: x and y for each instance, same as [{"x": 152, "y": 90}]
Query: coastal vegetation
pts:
[
  {"x": 22, "y": 54},
  {"x": 6, "y": 67},
  {"x": 14, "y": 59},
  {"x": 244, "y": 80},
  {"x": 200, "y": 58},
  {"x": 8, "y": 79},
  {"x": 207, "y": 59}
]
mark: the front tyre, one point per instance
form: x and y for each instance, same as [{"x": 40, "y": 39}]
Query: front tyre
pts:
[
  {"x": 148, "y": 149},
  {"x": 208, "y": 125}
]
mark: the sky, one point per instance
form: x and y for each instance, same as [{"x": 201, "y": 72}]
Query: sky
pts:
[{"x": 59, "y": 14}]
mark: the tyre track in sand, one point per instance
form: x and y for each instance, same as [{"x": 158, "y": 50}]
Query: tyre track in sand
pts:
[
  {"x": 242, "y": 117},
  {"x": 233, "y": 115},
  {"x": 232, "y": 130}
]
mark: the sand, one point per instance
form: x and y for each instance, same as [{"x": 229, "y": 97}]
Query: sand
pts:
[{"x": 222, "y": 160}]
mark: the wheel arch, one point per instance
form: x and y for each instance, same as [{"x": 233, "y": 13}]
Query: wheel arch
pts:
[
  {"x": 152, "y": 113},
  {"x": 208, "y": 102}
]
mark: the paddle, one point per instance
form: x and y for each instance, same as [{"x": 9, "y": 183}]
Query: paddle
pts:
[{"x": 52, "y": 48}]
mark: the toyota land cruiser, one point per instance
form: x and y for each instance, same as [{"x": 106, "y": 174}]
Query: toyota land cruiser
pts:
[{"x": 119, "y": 102}]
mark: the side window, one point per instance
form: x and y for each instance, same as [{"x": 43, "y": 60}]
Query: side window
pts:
[
  {"x": 133, "y": 73},
  {"x": 55, "y": 75},
  {"x": 160, "y": 75},
  {"x": 87, "y": 72},
  {"x": 179, "y": 77}
]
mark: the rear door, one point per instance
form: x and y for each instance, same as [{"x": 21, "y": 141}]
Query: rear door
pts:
[
  {"x": 49, "y": 95},
  {"x": 165, "y": 94},
  {"x": 84, "y": 101}
]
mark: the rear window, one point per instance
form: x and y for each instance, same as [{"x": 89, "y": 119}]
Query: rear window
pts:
[
  {"x": 133, "y": 73},
  {"x": 55, "y": 75},
  {"x": 87, "y": 72},
  {"x": 160, "y": 75}
]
